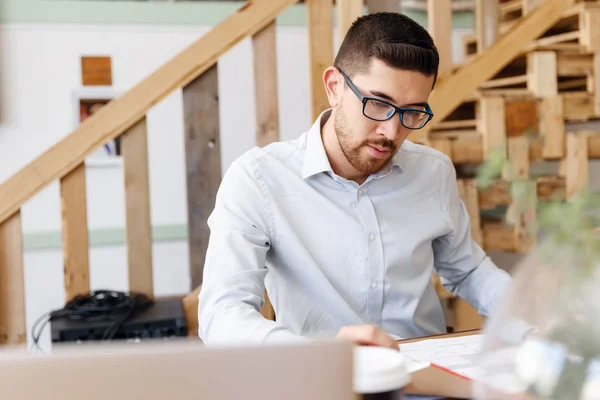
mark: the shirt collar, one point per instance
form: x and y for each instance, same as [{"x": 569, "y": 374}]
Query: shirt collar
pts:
[{"x": 315, "y": 157}]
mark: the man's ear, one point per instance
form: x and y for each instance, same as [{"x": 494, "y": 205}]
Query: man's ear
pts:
[{"x": 334, "y": 86}]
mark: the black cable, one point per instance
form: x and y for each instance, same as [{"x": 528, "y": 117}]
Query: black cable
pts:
[{"x": 96, "y": 306}]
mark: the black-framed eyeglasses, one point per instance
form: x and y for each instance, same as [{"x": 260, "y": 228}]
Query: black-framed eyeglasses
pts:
[{"x": 381, "y": 110}]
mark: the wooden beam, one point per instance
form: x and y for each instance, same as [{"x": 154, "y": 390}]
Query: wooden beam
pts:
[
  {"x": 348, "y": 12},
  {"x": 374, "y": 6},
  {"x": 320, "y": 50},
  {"x": 467, "y": 189},
  {"x": 452, "y": 90},
  {"x": 491, "y": 122},
  {"x": 576, "y": 163},
  {"x": 137, "y": 209},
  {"x": 542, "y": 73},
  {"x": 521, "y": 117},
  {"x": 589, "y": 25},
  {"x": 594, "y": 145},
  {"x": 12, "y": 282},
  {"x": 578, "y": 106},
  {"x": 439, "y": 23},
  {"x": 203, "y": 163},
  {"x": 487, "y": 23},
  {"x": 75, "y": 233},
  {"x": 122, "y": 113},
  {"x": 596, "y": 80},
  {"x": 443, "y": 145},
  {"x": 265, "y": 86},
  {"x": 529, "y": 5},
  {"x": 552, "y": 127}
]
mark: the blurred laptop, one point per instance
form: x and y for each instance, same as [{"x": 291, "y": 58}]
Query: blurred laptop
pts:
[{"x": 179, "y": 370}]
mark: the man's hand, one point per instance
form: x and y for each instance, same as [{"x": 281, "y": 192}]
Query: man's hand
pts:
[{"x": 368, "y": 335}]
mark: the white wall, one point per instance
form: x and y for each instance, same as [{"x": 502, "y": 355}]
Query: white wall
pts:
[{"x": 40, "y": 74}]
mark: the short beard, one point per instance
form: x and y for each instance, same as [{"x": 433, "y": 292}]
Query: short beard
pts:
[{"x": 366, "y": 165}]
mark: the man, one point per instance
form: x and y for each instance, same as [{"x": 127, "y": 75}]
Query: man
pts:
[{"x": 347, "y": 223}]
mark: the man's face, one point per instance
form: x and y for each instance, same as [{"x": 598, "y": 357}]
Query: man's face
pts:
[{"x": 367, "y": 144}]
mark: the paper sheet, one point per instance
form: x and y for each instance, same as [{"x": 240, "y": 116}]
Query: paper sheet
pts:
[{"x": 456, "y": 354}]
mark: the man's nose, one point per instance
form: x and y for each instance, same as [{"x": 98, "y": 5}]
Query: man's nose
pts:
[{"x": 390, "y": 128}]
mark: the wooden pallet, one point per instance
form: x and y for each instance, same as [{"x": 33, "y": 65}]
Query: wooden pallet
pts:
[{"x": 577, "y": 31}]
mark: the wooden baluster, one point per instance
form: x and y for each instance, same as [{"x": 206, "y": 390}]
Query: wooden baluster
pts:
[
  {"x": 439, "y": 23},
  {"x": 203, "y": 163},
  {"x": 348, "y": 12},
  {"x": 265, "y": 86},
  {"x": 12, "y": 282},
  {"x": 487, "y": 23},
  {"x": 75, "y": 233},
  {"x": 575, "y": 164},
  {"x": 320, "y": 50},
  {"x": 137, "y": 206}
]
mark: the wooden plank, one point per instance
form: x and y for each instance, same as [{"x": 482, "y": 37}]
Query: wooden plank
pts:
[
  {"x": 521, "y": 117},
  {"x": 578, "y": 106},
  {"x": 466, "y": 123},
  {"x": 518, "y": 156},
  {"x": 576, "y": 163},
  {"x": 467, "y": 150},
  {"x": 498, "y": 236},
  {"x": 137, "y": 209},
  {"x": 574, "y": 84},
  {"x": 589, "y": 25},
  {"x": 12, "y": 282},
  {"x": 439, "y": 17},
  {"x": 452, "y": 90},
  {"x": 554, "y": 40},
  {"x": 470, "y": 198},
  {"x": 552, "y": 127},
  {"x": 348, "y": 12},
  {"x": 374, "y": 6},
  {"x": 574, "y": 64},
  {"x": 495, "y": 195},
  {"x": 501, "y": 82},
  {"x": 443, "y": 145},
  {"x": 320, "y": 51},
  {"x": 529, "y": 5},
  {"x": 203, "y": 163},
  {"x": 122, "y": 113},
  {"x": 596, "y": 80},
  {"x": 491, "y": 122},
  {"x": 487, "y": 20},
  {"x": 551, "y": 188},
  {"x": 542, "y": 73},
  {"x": 75, "y": 233},
  {"x": 594, "y": 145},
  {"x": 498, "y": 194},
  {"x": 265, "y": 86}
]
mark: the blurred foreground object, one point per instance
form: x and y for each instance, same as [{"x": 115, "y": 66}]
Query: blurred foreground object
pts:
[{"x": 544, "y": 340}]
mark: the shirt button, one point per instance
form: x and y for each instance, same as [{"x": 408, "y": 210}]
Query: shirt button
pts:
[
  {"x": 374, "y": 285},
  {"x": 372, "y": 237},
  {"x": 365, "y": 190}
]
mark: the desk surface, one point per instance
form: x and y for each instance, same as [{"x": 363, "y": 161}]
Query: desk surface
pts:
[{"x": 423, "y": 380}]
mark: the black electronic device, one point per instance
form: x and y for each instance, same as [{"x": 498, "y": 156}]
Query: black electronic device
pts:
[{"x": 118, "y": 316}]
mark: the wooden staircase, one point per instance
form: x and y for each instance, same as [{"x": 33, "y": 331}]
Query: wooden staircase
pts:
[{"x": 195, "y": 70}]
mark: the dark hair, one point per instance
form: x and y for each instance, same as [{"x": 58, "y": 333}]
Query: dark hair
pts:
[{"x": 392, "y": 38}]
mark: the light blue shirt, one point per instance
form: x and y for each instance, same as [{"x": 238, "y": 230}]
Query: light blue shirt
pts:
[{"x": 335, "y": 253}]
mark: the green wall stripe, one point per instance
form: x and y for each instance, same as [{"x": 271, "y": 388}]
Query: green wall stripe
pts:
[
  {"x": 102, "y": 237},
  {"x": 145, "y": 12}
]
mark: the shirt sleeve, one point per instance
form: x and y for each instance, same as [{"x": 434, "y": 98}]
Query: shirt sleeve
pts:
[
  {"x": 464, "y": 268},
  {"x": 233, "y": 284}
]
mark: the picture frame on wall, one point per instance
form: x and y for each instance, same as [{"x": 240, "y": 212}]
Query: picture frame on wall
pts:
[{"x": 86, "y": 102}]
